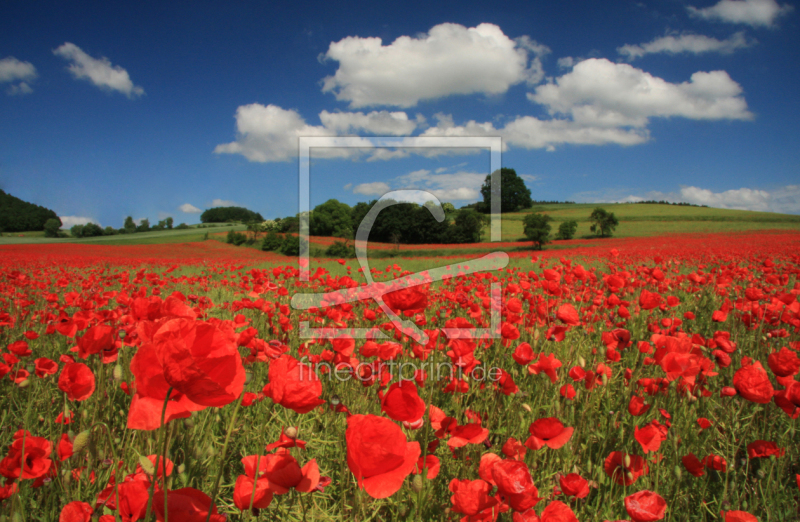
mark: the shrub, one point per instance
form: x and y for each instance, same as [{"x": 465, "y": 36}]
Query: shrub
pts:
[
  {"x": 182, "y": 226},
  {"x": 272, "y": 242},
  {"x": 290, "y": 245},
  {"x": 341, "y": 249},
  {"x": 567, "y": 230},
  {"x": 537, "y": 229},
  {"x": 603, "y": 222},
  {"x": 52, "y": 227}
]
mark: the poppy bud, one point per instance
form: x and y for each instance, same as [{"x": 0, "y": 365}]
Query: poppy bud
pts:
[
  {"x": 84, "y": 414},
  {"x": 604, "y": 378},
  {"x": 188, "y": 423},
  {"x": 248, "y": 376},
  {"x": 678, "y": 472},
  {"x": 626, "y": 461},
  {"x": 526, "y": 408},
  {"x": 416, "y": 483},
  {"x": 291, "y": 432},
  {"x": 181, "y": 468},
  {"x": 25, "y": 383},
  {"x": 629, "y": 476},
  {"x": 117, "y": 373},
  {"x": 147, "y": 465},
  {"x": 581, "y": 362},
  {"x": 82, "y": 440}
]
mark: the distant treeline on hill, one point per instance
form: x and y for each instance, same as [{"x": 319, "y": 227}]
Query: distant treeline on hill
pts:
[
  {"x": 662, "y": 202},
  {"x": 228, "y": 214},
  {"x": 20, "y": 216}
]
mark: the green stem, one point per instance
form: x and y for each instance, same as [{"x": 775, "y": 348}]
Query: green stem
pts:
[
  {"x": 158, "y": 455},
  {"x": 222, "y": 457}
]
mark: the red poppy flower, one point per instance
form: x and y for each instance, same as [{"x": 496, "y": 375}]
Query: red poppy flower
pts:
[
  {"x": 378, "y": 454},
  {"x": 546, "y": 365},
  {"x": 784, "y": 363},
  {"x": 284, "y": 441},
  {"x": 407, "y": 300},
  {"x": 523, "y": 354},
  {"x": 293, "y": 385},
  {"x": 185, "y": 505},
  {"x": 402, "y": 402},
  {"x": 622, "y": 472},
  {"x": 645, "y": 506},
  {"x": 95, "y": 340},
  {"x": 514, "y": 449},
  {"x": 649, "y": 300},
  {"x": 693, "y": 465},
  {"x": 284, "y": 473},
  {"x": 471, "y": 433},
  {"x": 45, "y": 366},
  {"x": 36, "y": 460},
  {"x": 764, "y": 448},
  {"x": 567, "y": 391},
  {"x": 20, "y": 348},
  {"x": 557, "y": 511},
  {"x": 471, "y": 497},
  {"x": 739, "y": 516},
  {"x": 200, "y": 360},
  {"x": 574, "y": 485},
  {"x": 567, "y": 314},
  {"x": 77, "y": 381},
  {"x": 637, "y": 406},
  {"x": 514, "y": 482},
  {"x": 649, "y": 437},
  {"x": 430, "y": 463},
  {"x": 716, "y": 463},
  {"x": 76, "y": 511},
  {"x": 752, "y": 383},
  {"x": 548, "y": 432},
  {"x": 243, "y": 493}
]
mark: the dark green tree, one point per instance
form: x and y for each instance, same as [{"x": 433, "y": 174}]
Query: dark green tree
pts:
[
  {"x": 537, "y": 229},
  {"x": 272, "y": 242},
  {"x": 91, "y": 230},
  {"x": 52, "y": 227},
  {"x": 291, "y": 245},
  {"x": 228, "y": 214},
  {"x": 17, "y": 215},
  {"x": 331, "y": 218},
  {"x": 567, "y": 230},
  {"x": 467, "y": 227},
  {"x": 603, "y": 222},
  {"x": 169, "y": 223},
  {"x": 76, "y": 231},
  {"x": 144, "y": 225},
  {"x": 129, "y": 226},
  {"x": 514, "y": 195}
]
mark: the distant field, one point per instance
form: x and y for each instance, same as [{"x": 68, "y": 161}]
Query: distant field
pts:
[
  {"x": 190, "y": 234},
  {"x": 639, "y": 220}
]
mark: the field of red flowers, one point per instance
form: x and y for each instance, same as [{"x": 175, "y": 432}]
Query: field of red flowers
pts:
[{"x": 642, "y": 379}]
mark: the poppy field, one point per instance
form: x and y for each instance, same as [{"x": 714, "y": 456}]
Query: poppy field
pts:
[{"x": 642, "y": 379}]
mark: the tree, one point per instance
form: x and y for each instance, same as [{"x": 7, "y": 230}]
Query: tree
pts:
[
  {"x": 144, "y": 225},
  {"x": 91, "y": 230},
  {"x": 567, "y": 230},
  {"x": 52, "y": 227},
  {"x": 537, "y": 229},
  {"x": 272, "y": 242},
  {"x": 17, "y": 215},
  {"x": 169, "y": 223},
  {"x": 603, "y": 222},
  {"x": 467, "y": 227},
  {"x": 129, "y": 226},
  {"x": 76, "y": 231},
  {"x": 331, "y": 218},
  {"x": 514, "y": 195},
  {"x": 227, "y": 214}
]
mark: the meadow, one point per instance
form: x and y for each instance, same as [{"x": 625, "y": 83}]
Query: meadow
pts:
[{"x": 629, "y": 378}]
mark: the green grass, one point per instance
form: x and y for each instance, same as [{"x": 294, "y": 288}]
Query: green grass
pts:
[{"x": 194, "y": 233}]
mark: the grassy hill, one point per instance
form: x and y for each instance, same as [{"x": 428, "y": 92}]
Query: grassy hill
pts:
[{"x": 640, "y": 220}]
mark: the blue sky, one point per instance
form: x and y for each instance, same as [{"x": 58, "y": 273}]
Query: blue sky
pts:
[{"x": 153, "y": 109}]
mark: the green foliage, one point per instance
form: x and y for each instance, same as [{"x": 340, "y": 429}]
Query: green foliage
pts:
[
  {"x": 144, "y": 226},
  {"x": 17, "y": 215},
  {"x": 169, "y": 223},
  {"x": 76, "y": 231},
  {"x": 110, "y": 231},
  {"x": 567, "y": 229},
  {"x": 514, "y": 195},
  {"x": 290, "y": 245},
  {"x": 129, "y": 226},
  {"x": 537, "y": 229},
  {"x": 603, "y": 222},
  {"x": 235, "y": 238},
  {"x": 227, "y": 214},
  {"x": 341, "y": 249},
  {"x": 331, "y": 218},
  {"x": 182, "y": 226},
  {"x": 289, "y": 225},
  {"x": 52, "y": 227},
  {"x": 272, "y": 242},
  {"x": 467, "y": 227},
  {"x": 92, "y": 230}
]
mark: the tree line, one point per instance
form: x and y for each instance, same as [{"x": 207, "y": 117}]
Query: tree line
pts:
[{"x": 17, "y": 215}]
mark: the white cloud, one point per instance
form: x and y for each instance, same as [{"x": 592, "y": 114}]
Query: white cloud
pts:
[
  {"x": 449, "y": 59},
  {"x": 99, "y": 71},
  {"x": 785, "y": 200},
  {"x": 13, "y": 70},
  {"x": 750, "y": 12},
  {"x": 70, "y": 221},
  {"x": 600, "y": 93},
  {"x": 377, "y": 188},
  {"x": 686, "y": 43},
  {"x": 188, "y": 208},
  {"x": 223, "y": 203},
  {"x": 376, "y": 122}
]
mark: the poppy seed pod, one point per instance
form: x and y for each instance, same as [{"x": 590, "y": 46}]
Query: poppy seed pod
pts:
[
  {"x": 291, "y": 432},
  {"x": 117, "y": 373},
  {"x": 81, "y": 441}
]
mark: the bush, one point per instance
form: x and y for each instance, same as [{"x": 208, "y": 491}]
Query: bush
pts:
[
  {"x": 272, "y": 242},
  {"x": 290, "y": 245},
  {"x": 537, "y": 229},
  {"x": 341, "y": 249},
  {"x": 235, "y": 238},
  {"x": 182, "y": 226},
  {"x": 110, "y": 231},
  {"x": 567, "y": 230},
  {"x": 52, "y": 227},
  {"x": 603, "y": 222},
  {"x": 467, "y": 227}
]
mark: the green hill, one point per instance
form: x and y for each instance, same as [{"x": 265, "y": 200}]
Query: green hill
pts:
[{"x": 20, "y": 216}]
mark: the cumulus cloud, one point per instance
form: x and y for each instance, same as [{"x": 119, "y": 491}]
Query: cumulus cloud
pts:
[
  {"x": 223, "y": 203},
  {"x": 13, "y": 71},
  {"x": 750, "y": 12},
  {"x": 376, "y": 122},
  {"x": 686, "y": 43},
  {"x": 377, "y": 188},
  {"x": 785, "y": 200},
  {"x": 99, "y": 71},
  {"x": 449, "y": 59},
  {"x": 188, "y": 208},
  {"x": 71, "y": 221},
  {"x": 601, "y": 93}
]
